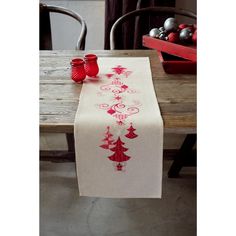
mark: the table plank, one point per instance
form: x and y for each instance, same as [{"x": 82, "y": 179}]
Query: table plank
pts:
[{"x": 59, "y": 95}]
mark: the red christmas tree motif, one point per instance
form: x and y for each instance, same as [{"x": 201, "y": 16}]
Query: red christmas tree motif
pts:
[
  {"x": 108, "y": 141},
  {"x": 131, "y": 133},
  {"x": 119, "y": 69},
  {"x": 119, "y": 154}
]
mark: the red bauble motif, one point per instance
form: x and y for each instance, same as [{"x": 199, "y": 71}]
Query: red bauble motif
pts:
[
  {"x": 131, "y": 133},
  {"x": 111, "y": 111},
  {"x": 119, "y": 167},
  {"x": 124, "y": 86}
]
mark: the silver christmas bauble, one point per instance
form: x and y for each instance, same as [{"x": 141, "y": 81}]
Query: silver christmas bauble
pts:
[
  {"x": 171, "y": 24},
  {"x": 162, "y": 29},
  {"x": 163, "y": 36},
  {"x": 154, "y": 32},
  {"x": 185, "y": 35}
]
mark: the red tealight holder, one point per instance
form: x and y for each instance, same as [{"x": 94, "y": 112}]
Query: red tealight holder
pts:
[
  {"x": 91, "y": 66},
  {"x": 78, "y": 73}
]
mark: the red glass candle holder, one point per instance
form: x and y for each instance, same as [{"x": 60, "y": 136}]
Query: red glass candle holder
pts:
[
  {"x": 91, "y": 66},
  {"x": 78, "y": 73}
]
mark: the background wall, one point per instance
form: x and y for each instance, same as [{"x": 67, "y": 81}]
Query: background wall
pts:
[
  {"x": 190, "y": 5},
  {"x": 65, "y": 30}
]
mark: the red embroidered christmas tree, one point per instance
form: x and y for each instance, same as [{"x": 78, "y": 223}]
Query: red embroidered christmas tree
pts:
[
  {"x": 108, "y": 141},
  {"x": 119, "y": 69},
  {"x": 119, "y": 155},
  {"x": 131, "y": 133}
]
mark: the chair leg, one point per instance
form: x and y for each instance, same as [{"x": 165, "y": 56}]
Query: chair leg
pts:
[
  {"x": 70, "y": 142},
  {"x": 182, "y": 156}
]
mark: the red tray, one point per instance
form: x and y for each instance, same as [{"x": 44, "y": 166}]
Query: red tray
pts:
[
  {"x": 186, "y": 52},
  {"x": 176, "y": 65}
]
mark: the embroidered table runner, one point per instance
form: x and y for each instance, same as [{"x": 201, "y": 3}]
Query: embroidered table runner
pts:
[{"x": 119, "y": 132}]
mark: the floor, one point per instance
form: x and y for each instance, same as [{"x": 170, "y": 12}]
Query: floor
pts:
[{"x": 64, "y": 213}]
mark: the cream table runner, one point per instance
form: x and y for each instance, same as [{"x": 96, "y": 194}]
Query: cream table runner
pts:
[{"x": 119, "y": 132}]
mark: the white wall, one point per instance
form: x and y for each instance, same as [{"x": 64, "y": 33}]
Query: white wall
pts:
[{"x": 65, "y": 30}]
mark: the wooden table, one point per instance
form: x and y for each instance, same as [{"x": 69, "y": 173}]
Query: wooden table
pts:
[{"x": 59, "y": 95}]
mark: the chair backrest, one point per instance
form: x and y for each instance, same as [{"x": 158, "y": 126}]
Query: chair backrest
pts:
[
  {"x": 45, "y": 26},
  {"x": 146, "y": 11}
]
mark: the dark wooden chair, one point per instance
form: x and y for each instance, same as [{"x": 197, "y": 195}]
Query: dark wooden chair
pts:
[
  {"x": 149, "y": 11},
  {"x": 186, "y": 156},
  {"x": 46, "y": 44},
  {"x": 45, "y": 26}
]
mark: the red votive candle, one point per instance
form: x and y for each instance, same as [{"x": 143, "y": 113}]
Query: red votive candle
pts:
[
  {"x": 91, "y": 66},
  {"x": 78, "y": 73}
]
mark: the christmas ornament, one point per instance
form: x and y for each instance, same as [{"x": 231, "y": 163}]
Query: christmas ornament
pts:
[
  {"x": 191, "y": 27},
  {"x": 162, "y": 29},
  {"x": 182, "y": 26},
  {"x": 171, "y": 24},
  {"x": 162, "y": 36},
  {"x": 154, "y": 33},
  {"x": 194, "y": 38},
  {"x": 173, "y": 37},
  {"x": 185, "y": 35}
]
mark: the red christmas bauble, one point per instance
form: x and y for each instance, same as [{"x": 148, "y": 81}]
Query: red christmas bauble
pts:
[
  {"x": 182, "y": 26},
  {"x": 191, "y": 27},
  {"x": 173, "y": 37},
  {"x": 194, "y": 37}
]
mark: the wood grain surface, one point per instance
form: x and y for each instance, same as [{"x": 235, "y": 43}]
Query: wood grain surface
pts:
[{"x": 59, "y": 95}]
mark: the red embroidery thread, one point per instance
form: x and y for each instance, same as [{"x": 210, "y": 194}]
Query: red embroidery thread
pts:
[
  {"x": 131, "y": 133},
  {"x": 119, "y": 155},
  {"x": 119, "y": 69},
  {"x": 120, "y": 111},
  {"x": 108, "y": 141}
]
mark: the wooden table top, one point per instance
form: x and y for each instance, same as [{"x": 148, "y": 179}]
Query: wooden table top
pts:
[{"x": 59, "y": 95}]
